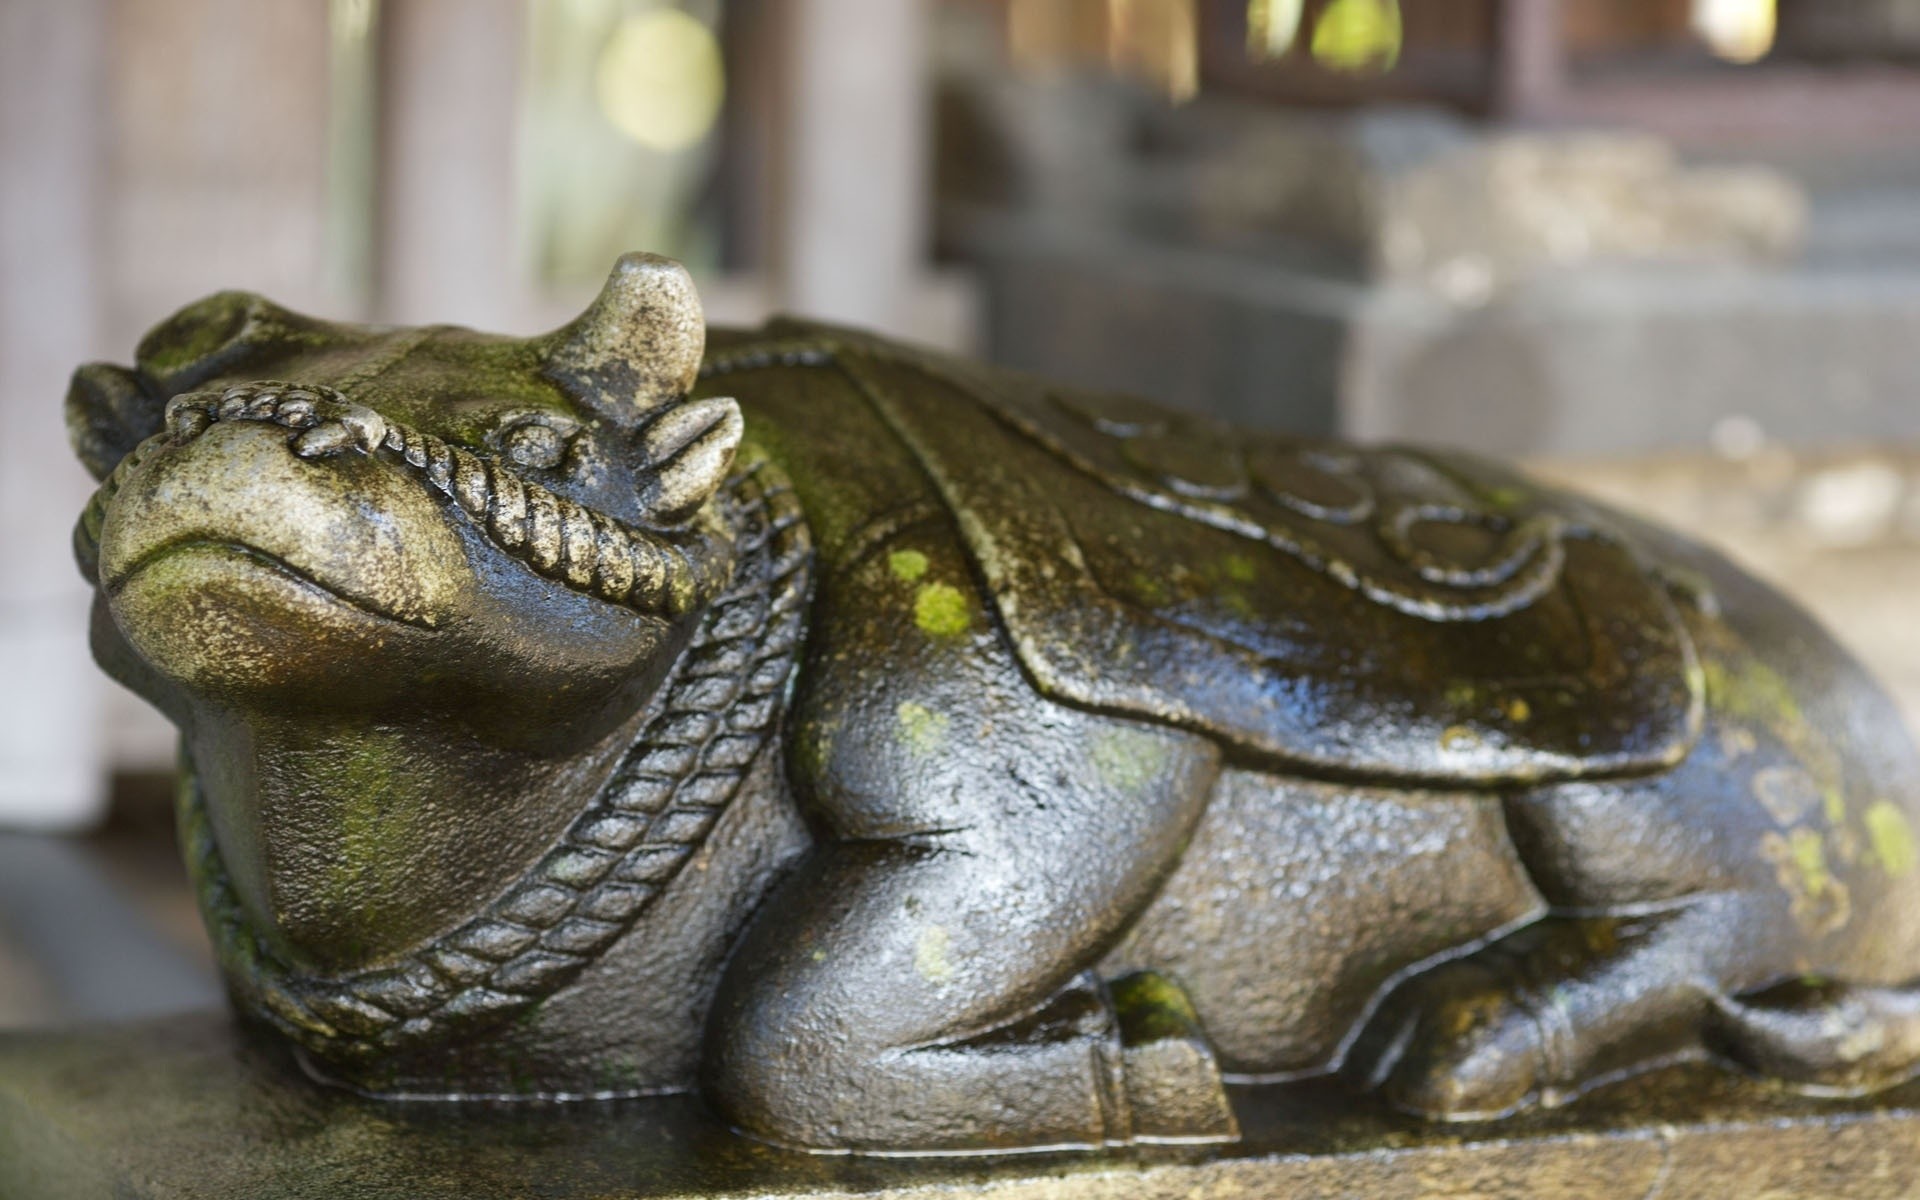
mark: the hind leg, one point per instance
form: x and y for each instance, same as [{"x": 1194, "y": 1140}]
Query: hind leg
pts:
[
  {"x": 1766, "y": 973},
  {"x": 1660, "y": 905},
  {"x": 1541, "y": 1016},
  {"x": 1680, "y": 904},
  {"x": 1545, "y": 1013}
]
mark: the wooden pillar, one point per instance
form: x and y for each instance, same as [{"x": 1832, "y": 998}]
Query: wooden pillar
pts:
[
  {"x": 450, "y": 88},
  {"x": 853, "y": 227},
  {"x": 52, "y": 81},
  {"x": 1529, "y": 59}
]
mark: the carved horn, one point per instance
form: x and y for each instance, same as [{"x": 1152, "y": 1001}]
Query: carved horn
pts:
[{"x": 638, "y": 345}]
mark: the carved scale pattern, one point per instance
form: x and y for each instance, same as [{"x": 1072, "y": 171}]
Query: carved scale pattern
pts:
[
  {"x": 714, "y": 715},
  {"x": 1190, "y": 468}
]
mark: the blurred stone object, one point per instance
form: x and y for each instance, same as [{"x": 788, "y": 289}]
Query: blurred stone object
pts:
[
  {"x": 1427, "y": 200},
  {"x": 73, "y": 947},
  {"x": 1877, "y": 28},
  {"x": 25, "y": 998},
  {"x": 1423, "y": 277}
]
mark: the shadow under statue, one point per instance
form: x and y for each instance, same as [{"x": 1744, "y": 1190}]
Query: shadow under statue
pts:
[{"x": 908, "y": 756}]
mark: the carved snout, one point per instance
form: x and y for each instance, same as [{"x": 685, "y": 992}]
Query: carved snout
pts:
[{"x": 558, "y": 538}]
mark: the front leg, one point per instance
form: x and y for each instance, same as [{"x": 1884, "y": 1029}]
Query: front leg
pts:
[
  {"x": 901, "y": 999},
  {"x": 923, "y": 981}
]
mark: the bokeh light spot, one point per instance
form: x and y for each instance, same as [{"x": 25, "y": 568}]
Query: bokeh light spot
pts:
[
  {"x": 1358, "y": 35},
  {"x": 1272, "y": 26},
  {"x": 1739, "y": 31},
  {"x": 660, "y": 80}
]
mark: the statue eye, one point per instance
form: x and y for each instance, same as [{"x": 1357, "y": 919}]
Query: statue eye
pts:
[{"x": 534, "y": 445}]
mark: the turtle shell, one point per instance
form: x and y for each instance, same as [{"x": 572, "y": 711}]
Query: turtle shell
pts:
[{"x": 1375, "y": 612}]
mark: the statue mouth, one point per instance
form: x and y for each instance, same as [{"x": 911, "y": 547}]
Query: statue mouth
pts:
[{"x": 254, "y": 568}]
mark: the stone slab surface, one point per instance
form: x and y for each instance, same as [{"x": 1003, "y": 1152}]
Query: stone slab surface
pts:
[
  {"x": 1613, "y": 358},
  {"x": 189, "y": 1107}
]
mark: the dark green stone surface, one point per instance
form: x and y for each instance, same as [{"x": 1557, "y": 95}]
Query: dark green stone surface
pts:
[{"x": 190, "y": 1107}]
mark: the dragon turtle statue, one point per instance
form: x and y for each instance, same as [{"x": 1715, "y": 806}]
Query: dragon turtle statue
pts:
[{"x": 912, "y": 756}]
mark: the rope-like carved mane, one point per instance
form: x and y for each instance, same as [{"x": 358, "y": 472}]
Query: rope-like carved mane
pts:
[{"x": 712, "y": 718}]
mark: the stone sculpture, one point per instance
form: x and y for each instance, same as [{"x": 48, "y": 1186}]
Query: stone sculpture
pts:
[{"x": 912, "y": 756}]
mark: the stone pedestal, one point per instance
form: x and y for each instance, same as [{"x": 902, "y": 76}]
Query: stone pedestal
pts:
[{"x": 189, "y": 1107}]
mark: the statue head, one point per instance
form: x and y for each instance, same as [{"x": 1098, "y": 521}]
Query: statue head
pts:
[{"x": 351, "y": 561}]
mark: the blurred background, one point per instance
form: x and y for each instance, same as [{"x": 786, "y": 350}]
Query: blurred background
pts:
[{"x": 1668, "y": 250}]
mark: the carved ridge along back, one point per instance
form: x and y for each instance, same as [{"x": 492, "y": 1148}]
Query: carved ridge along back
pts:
[{"x": 1271, "y": 530}]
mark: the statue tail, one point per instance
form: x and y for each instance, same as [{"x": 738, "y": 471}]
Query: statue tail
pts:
[{"x": 1822, "y": 1036}]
